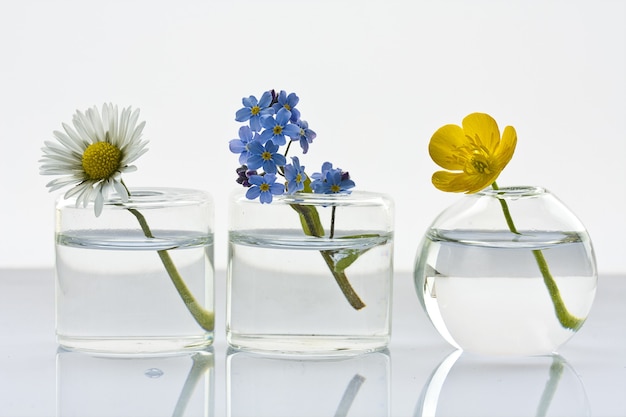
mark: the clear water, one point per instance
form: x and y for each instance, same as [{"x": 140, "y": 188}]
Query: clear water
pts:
[
  {"x": 282, "y": 296},
  {"x": 484, "y": 292},
  {"x": 113, "y": 293}
]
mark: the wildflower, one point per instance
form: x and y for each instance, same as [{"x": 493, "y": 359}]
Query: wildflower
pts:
[
  {"x": 264, "y": 187},
  {"x": 265, "y": 156},
  {"x": 263, "y": 153},
  {"x": 93, "y": 154},
  {"x": 277, "y": 128},
  {"x": 295, "y": 176},
  {"x": 254, "y": 110},
  {"x": 473, "y": 155},
  {"x": 244, "y": 174},
  {"x": 288, "y": 102},
  {"x": 332, "y": 180},
  {"x": 305, "y": 136},
  {"x": 240, "y": 145}
]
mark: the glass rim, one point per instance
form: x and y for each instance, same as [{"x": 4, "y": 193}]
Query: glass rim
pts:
[
  {"x": 148, "y": 197},
  {"x": 356, "y": 197},
  {"x": 515, "y": 191}
]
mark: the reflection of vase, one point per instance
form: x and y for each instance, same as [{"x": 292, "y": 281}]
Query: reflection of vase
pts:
[
  {"x": 299, "y": 386},
  {"x": 473, "y": 385},
  {"x": 179, "y": 384},
  {"x": 139, "y": 277},
  {"x": 508, "y": 271},
  {"x": 310, "y": 273}
]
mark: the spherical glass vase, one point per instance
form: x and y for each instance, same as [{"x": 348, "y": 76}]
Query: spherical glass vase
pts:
[
  {"x": 310, "y": 273},
  {"x": 506, "y": 272},
  {"x": 138, "y": 278}
]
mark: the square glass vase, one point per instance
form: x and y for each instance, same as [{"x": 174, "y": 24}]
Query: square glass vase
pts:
[
  {"x": 310, "y": 273},
  {"x": 138, "y": 278}
]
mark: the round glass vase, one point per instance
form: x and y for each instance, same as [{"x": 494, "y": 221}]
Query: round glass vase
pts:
[
  {"x": 139, "y": 278},
  {"x": 310, "y": 273},
  {"x": 506, "y": 272}
]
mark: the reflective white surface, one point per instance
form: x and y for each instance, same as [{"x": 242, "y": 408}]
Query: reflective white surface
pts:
[{"x": 419, "y": 375}]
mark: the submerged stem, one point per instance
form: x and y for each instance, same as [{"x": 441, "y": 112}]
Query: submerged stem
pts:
[
  {"x": 203, "y": 317},
  {"x": 312, "y": 226},
  {"x": 342, "y": 280},
  {"x": 567, "y": 320}
]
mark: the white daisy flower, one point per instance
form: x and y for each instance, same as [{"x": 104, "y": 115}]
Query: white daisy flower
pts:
[{"x": 94, "y": 153}]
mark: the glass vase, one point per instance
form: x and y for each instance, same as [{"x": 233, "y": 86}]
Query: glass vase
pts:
[
  {"x": 506, "y": 272},
  {"x": 139, "y": 277},
  {"x": 310, "y": 273}
]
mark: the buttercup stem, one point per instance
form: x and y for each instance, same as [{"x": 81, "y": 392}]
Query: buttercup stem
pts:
[
  {"x": 203, "y": 317},
  {"x": 566, "y": 319}
]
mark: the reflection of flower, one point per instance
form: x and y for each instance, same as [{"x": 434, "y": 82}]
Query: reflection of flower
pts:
[
  {"x": 478, "y": 155},
  {"x": 474, "y": 153},
  {"x": 93, "y": 155}
]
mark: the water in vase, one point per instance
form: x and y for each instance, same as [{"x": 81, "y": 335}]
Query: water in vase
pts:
[
  {"x": 484, "y": 291},
  {"x": 283, "y": 297},
  {"x": 114, "y": 294}
]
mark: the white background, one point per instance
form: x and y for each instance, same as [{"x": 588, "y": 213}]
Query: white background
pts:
[{"x": 375, "y": 78}]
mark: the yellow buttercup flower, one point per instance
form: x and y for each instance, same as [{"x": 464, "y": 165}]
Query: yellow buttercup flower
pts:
[{"x": 473, "y": 155}]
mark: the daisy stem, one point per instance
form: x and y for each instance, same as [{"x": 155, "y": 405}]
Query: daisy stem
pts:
[
  {"x": 203, "y": 317},
  {"x": 312, "y": 226},
  {"x": 567, "y": 320}
]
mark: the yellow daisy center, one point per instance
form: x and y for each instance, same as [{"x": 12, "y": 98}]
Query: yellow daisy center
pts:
[
  {"x": 101, "y": 160},
  {"x": 266, "y": 156},
  {"x": 278, "y": 130},
  {"x": 264, "y": 187},
  {"x": 287, "y": 106},
  {"x": 335, "y": 188},
  {"x": 255, "y": 110}
]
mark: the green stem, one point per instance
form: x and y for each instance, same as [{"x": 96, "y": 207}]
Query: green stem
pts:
[
  {"x": 203, "y": 317},
  {"x": 332, "y": 223},
  {"x": 567, "y": 320},
  {"x": 312, "y": 226},
  {"x": 342, "y": 281}
]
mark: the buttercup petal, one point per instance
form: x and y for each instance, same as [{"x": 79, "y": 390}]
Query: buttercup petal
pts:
[
  {"x": 483, "y": 126},
  {"x": 459, "y": 182},
  {"x": 507, "y": 146},
  {"x": 444, "y": 143}
]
